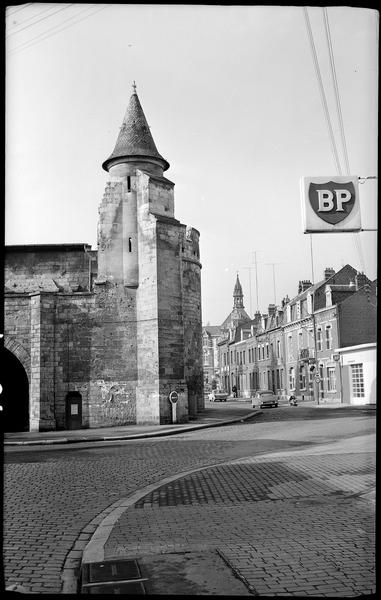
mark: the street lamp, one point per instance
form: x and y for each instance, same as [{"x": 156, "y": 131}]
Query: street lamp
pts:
[{"x": 336, "y": 358}]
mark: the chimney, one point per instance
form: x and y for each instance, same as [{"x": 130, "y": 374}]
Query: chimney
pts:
[
  {"x": 360, "y": 280},
  {"x": 271, "y": 309},
  {"x": 257, "y": 318},
  {"x": 304, "y": 285},
  {"x": 328, "y": 272}
]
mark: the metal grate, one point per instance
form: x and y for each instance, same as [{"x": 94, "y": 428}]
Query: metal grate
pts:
[{"x": 112, "y": 576}]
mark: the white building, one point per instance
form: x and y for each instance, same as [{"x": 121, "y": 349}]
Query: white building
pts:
[{"x": 358, "y": 373}]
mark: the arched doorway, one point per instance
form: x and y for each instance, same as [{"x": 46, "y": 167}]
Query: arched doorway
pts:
[{"x": 15, "y": 393}]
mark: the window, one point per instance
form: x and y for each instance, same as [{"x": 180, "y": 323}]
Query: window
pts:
[
  {"x": 206, "y": 356},
  {"x": 292, "y": 378},
  {"x": 130, "y": 244},
  {"x": 278, "y": 348},
  {"x": 249, "y": 355},
  {"x": 290, "y": 345},
  {"x": 128, "y": 183},
  {"x": 302, "y": 377},
  {"x": 277, "y": 379},
  {"x": 328, "y": 337},
  {"x": 255, "y": 354},
  {"x": 231, "y": 357},
  {"x": 311, "y": 379},
  {"x": 281, "y": 378},
  {"x": 244, "y": 357},
  {"x": 331, "y": 379},
  {"x": 300, "y": 340},
  {"x": 267, "y": 351},
  {"x": 357, "y": 377},
  {"x": 268, "y": 380},
  {"x": 319, "y": 339}
]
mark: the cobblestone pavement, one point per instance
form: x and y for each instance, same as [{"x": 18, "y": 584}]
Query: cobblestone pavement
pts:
[
  {"x": 286, "y": 529},
  {"x": 53, "y": 497}
]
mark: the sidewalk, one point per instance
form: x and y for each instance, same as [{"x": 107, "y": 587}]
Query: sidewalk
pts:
[
  {"x": 288, "y": 523},
  {"x": 215, "y": 414}
]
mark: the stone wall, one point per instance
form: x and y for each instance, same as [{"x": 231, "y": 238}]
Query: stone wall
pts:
[
  {"x": 191, "y": 306},
  {"x": 62, "y": 267}
]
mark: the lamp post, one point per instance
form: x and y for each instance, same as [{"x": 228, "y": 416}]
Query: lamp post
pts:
[
  {"x": 336, "y": 358},
  {"x": 316, "y": 377}
]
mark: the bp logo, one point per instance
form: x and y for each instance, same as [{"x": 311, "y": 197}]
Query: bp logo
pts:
[{"x": 332, "y": 201}]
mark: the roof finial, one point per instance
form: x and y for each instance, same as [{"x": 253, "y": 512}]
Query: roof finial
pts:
[{"x": 134, "y": 87}]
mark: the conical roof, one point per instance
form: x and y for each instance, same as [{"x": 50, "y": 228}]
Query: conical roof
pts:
[
  {"x": 135, "y": 139},
  {"x": 237, "y": 288}
]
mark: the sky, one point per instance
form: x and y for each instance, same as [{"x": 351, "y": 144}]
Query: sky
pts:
[{"x": 232, "y": 98}]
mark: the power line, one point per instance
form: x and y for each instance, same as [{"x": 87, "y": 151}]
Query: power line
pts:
[
  {"x": 18, "y": 8},
  {"x": 321, "y": 89},
  {"x": 337, "y": 95},
  {"x": 37, "y": 38},
  {"x": 44, "y": 10},
  {"x": 355, "y": 236}
]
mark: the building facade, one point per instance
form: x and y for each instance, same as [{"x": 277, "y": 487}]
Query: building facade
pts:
[
  {"x": 101, "y": 338},
  {"x": 291, "y": 349}
]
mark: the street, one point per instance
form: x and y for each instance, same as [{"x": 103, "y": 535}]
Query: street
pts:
[{"x": 314, "y": 463}]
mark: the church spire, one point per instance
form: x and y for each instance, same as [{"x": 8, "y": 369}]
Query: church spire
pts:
[
  {"x": 238, "y": 294},
  {"x": 135, "y": 141}
]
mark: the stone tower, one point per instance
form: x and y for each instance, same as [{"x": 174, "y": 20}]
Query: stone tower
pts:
[{"x": 149, "y": 277}]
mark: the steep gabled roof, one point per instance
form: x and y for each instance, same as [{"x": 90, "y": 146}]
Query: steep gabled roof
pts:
[{"x": 135, "y": 139}]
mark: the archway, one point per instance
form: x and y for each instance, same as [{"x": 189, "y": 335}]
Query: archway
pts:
[{"x": 15, "y": 393}]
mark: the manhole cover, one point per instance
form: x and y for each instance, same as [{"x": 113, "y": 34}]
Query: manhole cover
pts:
[{"x": 112, "y": 576}]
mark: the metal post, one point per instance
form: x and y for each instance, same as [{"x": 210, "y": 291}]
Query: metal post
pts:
[{"x": 316, "y": 383}]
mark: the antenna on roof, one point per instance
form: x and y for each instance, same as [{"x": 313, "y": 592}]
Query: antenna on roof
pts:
[{"x": 134, "y": 87}]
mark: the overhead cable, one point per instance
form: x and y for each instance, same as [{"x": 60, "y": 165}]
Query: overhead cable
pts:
[
  {"x": 11, "y": 33},
  {"x": 12, "y": 27},
  {"x": 321, "y": 89},
  {"x": 54, "y": 30},
  {"x": 337, "y": 95},
  {"x": 355, "y": 236},
  {"x": 18, "y": 8}
]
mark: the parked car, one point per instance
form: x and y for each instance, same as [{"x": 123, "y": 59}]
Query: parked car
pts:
[
  {"x": 264, "y": 398},
  {"x": 218, "y": 396}
]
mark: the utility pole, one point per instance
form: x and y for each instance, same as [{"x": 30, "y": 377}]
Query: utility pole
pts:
[
  {"x": 251, "y": 307},
  {"x": 273, "y": 266},
  {"x": 256, "y": 278}
]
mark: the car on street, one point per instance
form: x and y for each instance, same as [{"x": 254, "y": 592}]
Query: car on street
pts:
[
  {"x": 218, "y": 396},
  {"x": 264, "y": 398}
]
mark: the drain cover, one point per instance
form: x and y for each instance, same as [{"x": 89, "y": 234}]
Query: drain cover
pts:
[
  {"x": 112, "y": 576},
  {"x": 130, "y": 587}
]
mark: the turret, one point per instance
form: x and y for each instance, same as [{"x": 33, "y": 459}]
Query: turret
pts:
[
  {"x": 134, "y": 157},
  {"x": 135, "y": 147}
]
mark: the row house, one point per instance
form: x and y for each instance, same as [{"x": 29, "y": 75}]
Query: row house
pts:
[
  {"x": 313, "y": 329},
  {"x": 293, "y": 349},
  {"x": 270, "y": 352},
  {"x": 211, "y": 335}
]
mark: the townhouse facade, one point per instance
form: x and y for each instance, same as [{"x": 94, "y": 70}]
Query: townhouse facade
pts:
[{"x": 293, "y": 348}]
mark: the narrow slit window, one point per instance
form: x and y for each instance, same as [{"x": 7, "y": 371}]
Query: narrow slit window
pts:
[
  {"x": 130, "y": 244},
  {"x": 128, "y": 183}
]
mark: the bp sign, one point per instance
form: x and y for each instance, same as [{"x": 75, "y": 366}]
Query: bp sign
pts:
[{"x": 330, "y": 204}]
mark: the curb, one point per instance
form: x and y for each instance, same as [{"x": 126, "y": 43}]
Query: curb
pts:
[{"x": 133, "y": 436}]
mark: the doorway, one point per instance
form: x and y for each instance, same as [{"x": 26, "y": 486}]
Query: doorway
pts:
[
  {"x": 15, "y": 393},
  {"x": 73, "y": 410}
]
